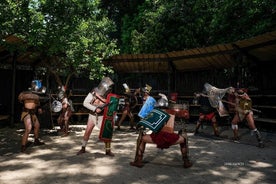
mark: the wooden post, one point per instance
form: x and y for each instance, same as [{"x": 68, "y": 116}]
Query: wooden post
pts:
[{"x": 13, "y": 88}]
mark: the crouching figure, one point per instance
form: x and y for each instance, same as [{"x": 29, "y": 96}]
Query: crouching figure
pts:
[
  {"x": 163, "y": 140},
  {"x": 163, "y": 135}
]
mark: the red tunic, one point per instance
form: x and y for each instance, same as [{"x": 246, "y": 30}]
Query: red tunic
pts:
[
  {"x": 209, "y": 116},
  {"x": 164, "y": 139}
]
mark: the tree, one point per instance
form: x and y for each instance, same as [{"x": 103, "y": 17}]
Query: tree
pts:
[
  {"x": 238, "y": 20},
  {"x": 164, "y": 26},
  {"x": 69, "y": 36}
]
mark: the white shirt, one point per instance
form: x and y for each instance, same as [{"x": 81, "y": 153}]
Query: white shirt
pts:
[{"x": 87, "y": 102}]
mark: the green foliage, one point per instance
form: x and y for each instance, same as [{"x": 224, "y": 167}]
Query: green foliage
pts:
[
  {"x": 236, "y": 20},
  {"x": 161, "y": 26},
  {"x": 78, "y": 34},
  {"x": 71, "y": 36}
]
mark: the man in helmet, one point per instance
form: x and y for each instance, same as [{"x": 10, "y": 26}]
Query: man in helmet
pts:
[
  {"x": 66, "y": 112},
  {"x": 206, "y": 113},
  {"x": 95, "y": 101},
  {"x": 244, "y": 111},
  {"x": 163, "y": 138},
  {"x": 130, "y": 100},
  {"x": 28, "y": 116}
]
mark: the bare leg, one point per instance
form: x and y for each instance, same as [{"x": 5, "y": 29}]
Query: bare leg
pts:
[
  {"x": 198, "y": 123},
  {"x": 184, "y": 151},
  {"x": 132, "y": 125},
  {"x": 235, "y": 129},
  {"x": 66, "y": 124},
  {"x": 138, "y": 161},
  {"x": 28, "y": 128},
  {"x": 251, "y": 124},
  {"x": 89, "y": 128},
  {"x": 215, "y": 126},
  {"x": 123, "y": 117},
  {"x": 37, "y": 142}
]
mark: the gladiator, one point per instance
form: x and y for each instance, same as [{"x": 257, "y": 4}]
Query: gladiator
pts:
[
  {"x": 94, "y": 102},
  {"x": 163, "y": 139},
  {"x": 28, "y": 116},
  {"x": 243, "y": 111},
  {"x": 206, "y": 113},
  {"x": 66, "y": 113},
  {"x": 130, "y": 100}
]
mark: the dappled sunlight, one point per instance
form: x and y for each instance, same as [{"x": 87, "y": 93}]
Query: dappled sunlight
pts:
[
  {"x": 251, "y": 177},
  {"x": 258, "y": 164},
  {"x": 215, "y": 173},
  {"x": 103, "y": 170},
  {"x": 57, "y": 162},
  {"x": 223, "y": 168},
  {"x": 24, "y": 173},
  {"x": 207, "y": 152},
  {"x": 162, "y": 177}
]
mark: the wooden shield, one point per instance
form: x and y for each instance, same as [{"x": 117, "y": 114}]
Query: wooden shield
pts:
[{"x": 110, "y": 111}]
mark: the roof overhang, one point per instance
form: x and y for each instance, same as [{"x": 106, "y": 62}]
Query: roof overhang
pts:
[{"x": 261, "y": 48}]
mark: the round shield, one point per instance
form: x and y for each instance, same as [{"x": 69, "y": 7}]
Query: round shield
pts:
[{"x": 56, "y": 106}]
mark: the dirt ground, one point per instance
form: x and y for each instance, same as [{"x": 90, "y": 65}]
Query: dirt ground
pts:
[{"x": 216, "y": 160}]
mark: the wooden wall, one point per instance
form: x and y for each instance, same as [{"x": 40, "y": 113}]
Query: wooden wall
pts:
[{"x": 258, "y": 77}]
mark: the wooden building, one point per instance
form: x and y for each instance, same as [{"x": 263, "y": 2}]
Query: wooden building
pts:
[{"x": 250, "y": 62}]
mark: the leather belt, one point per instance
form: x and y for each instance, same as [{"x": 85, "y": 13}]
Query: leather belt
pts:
[{"x": 96, "y": 114}]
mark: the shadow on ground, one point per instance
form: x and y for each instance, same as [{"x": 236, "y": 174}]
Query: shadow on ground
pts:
[{"x": 216, "y": 160}]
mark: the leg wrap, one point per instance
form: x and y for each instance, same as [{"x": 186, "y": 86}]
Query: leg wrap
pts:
[
  {"x": 83, "y": 143},
  {"x": 107, "y": 145},
  {"x": 258, "y": 135},
  {"x": 235, "y": 131},
  {"x": 138, "y": 160},
  {"x": 184, "y": 147},
  {"x": 108, "y": 149},
  {"x": 139, "y": 142},
  {"x": 259, "y": 138},
  {"x": 185, "y": 155}
]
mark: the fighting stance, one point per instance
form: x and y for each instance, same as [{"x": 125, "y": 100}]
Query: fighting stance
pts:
[
  {"x": 129, "y": 99},
  {"x": 126, "y": 112},
  {"x": 206, "y": 113},
  {"x": 95, "y": 101},
  {"x": 243, "y": 110},
  {"x": 66, "y": 113},
  {"x": 28, "y": 116},
  {"x": 163, "y": 139}
]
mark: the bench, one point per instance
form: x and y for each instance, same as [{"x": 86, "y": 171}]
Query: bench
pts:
[
  {"x": 4, "y": 117},
  {"x": 266, "y": 120},
  {"x": 264, "y": 107}
]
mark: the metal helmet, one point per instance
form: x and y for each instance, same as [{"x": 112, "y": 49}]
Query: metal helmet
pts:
[
  {"x": 147, "y": 89},
  {"x": 61, "y": 93},
  {"x": 36, "y": 85},
  {"x": 104, "y": 87},
  {"x": 162, "y": 102},
  {"x": 127, "y": 90}
]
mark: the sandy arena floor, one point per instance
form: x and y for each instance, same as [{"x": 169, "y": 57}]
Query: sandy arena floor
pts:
[{"x": 216, "y": 160}]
